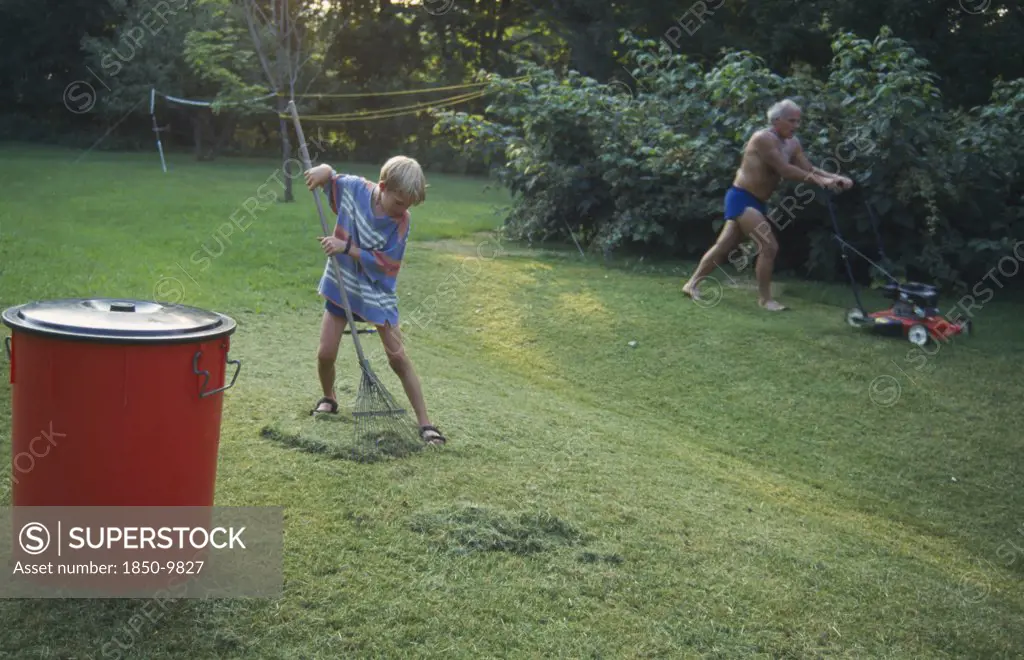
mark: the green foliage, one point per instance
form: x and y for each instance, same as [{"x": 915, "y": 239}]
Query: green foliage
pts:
[
  {"x": 177, "y": 48},
  {"x": 45, "y": 53},
  {"x": 220, "y": 51},
  {"x": 649, "y": 166},
  {"x": 144, "y": 52}
]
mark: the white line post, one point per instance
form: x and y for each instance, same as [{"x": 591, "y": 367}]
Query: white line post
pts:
[{"x": 156, "y": 130}]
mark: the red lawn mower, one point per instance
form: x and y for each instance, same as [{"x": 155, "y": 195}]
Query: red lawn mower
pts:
[{"x": 914, "y": 314}]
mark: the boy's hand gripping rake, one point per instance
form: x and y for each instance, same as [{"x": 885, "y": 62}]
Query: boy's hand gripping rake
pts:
[{"x": 379, "y": 419}]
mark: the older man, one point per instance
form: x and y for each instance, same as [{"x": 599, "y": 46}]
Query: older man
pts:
[{"x": 771, "y": 155}]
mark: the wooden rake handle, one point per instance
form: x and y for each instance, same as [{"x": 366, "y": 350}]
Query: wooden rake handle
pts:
[{"x": 307, "y": 164}]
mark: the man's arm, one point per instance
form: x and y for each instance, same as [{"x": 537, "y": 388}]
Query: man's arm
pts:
[
  {"x": 769, "y": 151},
  {"x": 844, "y": 182},
  {"x": 803, "y": 163}
]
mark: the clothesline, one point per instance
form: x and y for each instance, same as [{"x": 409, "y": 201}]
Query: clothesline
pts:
[
  {"x": 175, "y": 99},
  {"x": 353, "y": 95},
  {"x": 387, "y": 113},
  {"x": 376, "y": 113},
  {"x": 361, "y": 115},
  {"x": 400, "y": 92}
]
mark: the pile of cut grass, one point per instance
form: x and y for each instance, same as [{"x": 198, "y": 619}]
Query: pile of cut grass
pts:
[
  {"x": 335, "y": 440},
  {"x": 472, "y": 528}
]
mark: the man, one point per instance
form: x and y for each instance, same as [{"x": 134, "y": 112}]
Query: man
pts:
[{"x": 771, "y": 155}]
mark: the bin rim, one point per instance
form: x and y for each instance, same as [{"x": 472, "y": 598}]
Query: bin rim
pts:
[{"x": 118, "y": 320}]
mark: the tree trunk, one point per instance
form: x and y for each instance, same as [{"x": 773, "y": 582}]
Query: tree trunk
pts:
[
  {"x": 226, "y": 133},
  {"x": 264, "y": 133},
  {"x": 286, "y": 153},
  {"x": 197, "y": 135},
  {"x": 501, "y": 13}
]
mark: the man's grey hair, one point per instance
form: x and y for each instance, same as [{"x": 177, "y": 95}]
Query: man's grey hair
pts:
[{"x": 781, "y": 108}]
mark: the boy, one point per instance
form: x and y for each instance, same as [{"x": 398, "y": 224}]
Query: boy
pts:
[{"x": 369, "y": 240}]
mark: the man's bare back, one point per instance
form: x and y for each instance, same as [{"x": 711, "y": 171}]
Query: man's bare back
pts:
[{"x": 754, "y": 174}]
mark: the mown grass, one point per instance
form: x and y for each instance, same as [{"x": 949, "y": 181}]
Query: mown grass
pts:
[{"x": 729, "y": 488}]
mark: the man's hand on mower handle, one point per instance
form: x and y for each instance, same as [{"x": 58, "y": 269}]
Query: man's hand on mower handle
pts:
[
  {"x": 837, "y": 183},
  {"x": 827, "y": 182}
]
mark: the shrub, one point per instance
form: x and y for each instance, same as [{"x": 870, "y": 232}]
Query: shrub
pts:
[{"x": 645, "y": 164}]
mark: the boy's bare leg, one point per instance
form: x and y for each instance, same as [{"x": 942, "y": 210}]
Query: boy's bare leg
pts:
[
  {"x": 757, "y": 227},
  {"x": 403, "y": 368},
  {"x": 728, "y": 238},
  {"x": 331, "y": 329}
]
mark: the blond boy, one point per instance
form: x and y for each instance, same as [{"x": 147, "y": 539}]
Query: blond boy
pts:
[{"x": 369, "y": 241}]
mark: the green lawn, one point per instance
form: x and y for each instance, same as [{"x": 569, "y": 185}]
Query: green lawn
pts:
[{"x": 729, "y": 488}]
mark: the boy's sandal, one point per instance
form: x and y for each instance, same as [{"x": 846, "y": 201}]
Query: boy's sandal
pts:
[
  {"x": 332, "y": 402},
  {"x": 435, "y": 437}
]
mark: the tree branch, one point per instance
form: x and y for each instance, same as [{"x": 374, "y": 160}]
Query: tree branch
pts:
[
  {"x": 331, "y": 27},
  {"x": 263, "y": 17},
  {"x": 257, "y": 44},
  {"x": 285, "y": 42}
]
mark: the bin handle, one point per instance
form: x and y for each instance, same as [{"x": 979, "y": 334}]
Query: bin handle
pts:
[
  {"x": 7, "y": 345},
  {"x": 206, "y": 376}
]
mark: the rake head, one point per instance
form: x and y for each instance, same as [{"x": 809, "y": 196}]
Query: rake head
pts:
[{"x": 381, "y": 424}]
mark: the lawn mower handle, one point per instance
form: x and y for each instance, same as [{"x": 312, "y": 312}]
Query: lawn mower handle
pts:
[
  {"x": 874, "y": 227},
  {"x": 842, "y": 248}
]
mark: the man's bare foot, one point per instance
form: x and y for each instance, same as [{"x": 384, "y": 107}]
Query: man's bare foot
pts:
[
  {"x": 772, "y": 306},
  {"x": 690, "y": 290}
]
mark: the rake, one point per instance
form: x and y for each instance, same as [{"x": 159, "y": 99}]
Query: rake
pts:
[{"x": 379, "y": 420}]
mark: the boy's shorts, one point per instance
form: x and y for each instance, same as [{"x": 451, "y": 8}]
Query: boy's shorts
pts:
[{"x": 339, "y": 311}]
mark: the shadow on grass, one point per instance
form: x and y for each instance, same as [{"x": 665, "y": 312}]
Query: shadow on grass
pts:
[{"x": 120, "y": 628}]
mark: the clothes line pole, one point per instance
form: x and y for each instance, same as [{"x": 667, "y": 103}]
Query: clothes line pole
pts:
[
  {"x": 173, "y": 99},
  {"x": 156, "y": 129}
]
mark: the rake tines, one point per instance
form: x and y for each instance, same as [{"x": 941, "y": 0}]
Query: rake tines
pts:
[{"x": 381, "y": 424}]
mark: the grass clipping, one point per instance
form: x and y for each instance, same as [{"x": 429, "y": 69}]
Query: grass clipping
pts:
[
  {"x": 335, "y": 439},
  {"x": 465, "y": 529}
]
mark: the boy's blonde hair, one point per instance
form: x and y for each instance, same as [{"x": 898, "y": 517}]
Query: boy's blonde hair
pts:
[{"x": 405, "y": 176}]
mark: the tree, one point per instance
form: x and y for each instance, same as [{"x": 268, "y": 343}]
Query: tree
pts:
[
  {"x": 251, "y": 48},
  {"x": 41, "y": 43},
  {"x": 146, "y": 52}
]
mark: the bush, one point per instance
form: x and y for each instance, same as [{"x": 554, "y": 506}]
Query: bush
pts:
[{"x": 645, "y": 165}]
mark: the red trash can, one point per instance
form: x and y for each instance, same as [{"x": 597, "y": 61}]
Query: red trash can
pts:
[{"x": 116, "y": 402}]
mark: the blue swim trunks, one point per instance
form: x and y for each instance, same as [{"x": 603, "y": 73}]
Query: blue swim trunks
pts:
[{"x": 737, "y": 200}]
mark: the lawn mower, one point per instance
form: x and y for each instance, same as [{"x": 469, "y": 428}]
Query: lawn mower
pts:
[{"x": 914, "y": 314}]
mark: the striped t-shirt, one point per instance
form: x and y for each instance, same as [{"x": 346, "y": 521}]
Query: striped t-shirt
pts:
[{"x": 369, "y": 282}]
